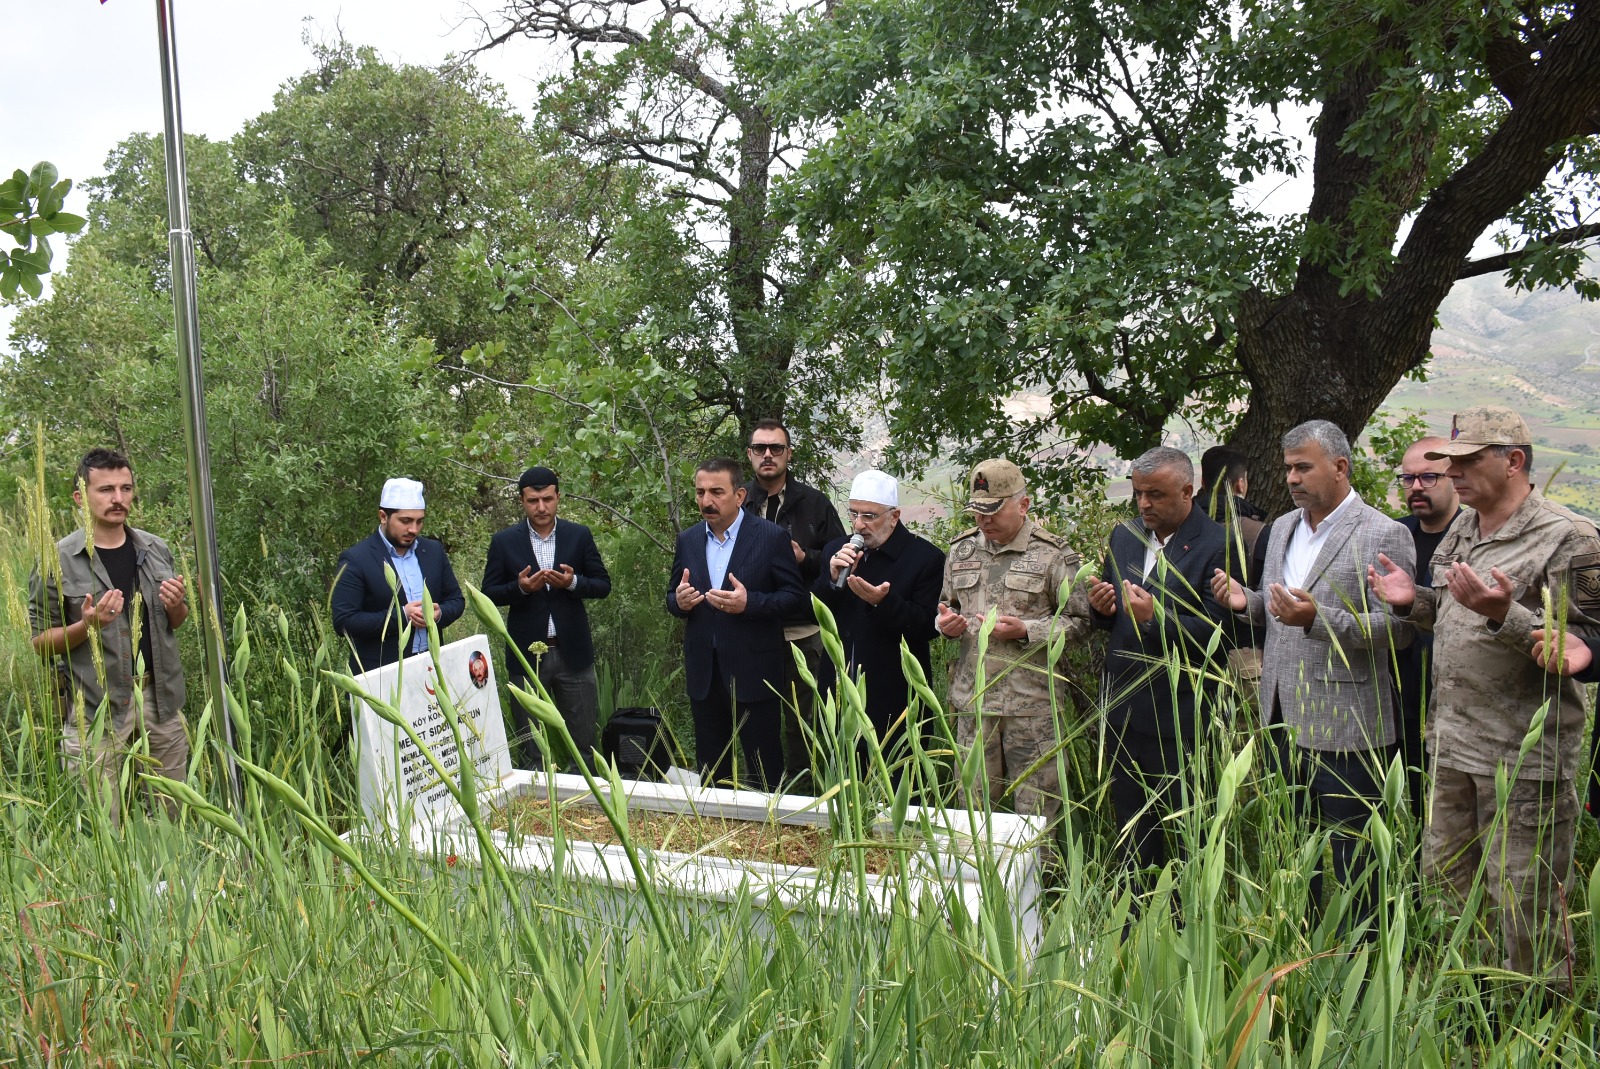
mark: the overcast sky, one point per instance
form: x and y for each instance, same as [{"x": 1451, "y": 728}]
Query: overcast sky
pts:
[{"x": 79, "y": 76}]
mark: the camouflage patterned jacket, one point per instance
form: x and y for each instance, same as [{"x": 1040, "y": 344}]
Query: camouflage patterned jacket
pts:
[
  {"x": 1023, "y": 578},
  {"x": 1487, "y": 687}
]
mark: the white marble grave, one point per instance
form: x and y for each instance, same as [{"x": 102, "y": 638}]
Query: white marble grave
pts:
[
  {"x": 403, "y": 798},
  {"x": 398, "y": 784}
]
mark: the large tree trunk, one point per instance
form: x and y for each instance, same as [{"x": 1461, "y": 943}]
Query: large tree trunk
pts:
[
  {"x": 765, "y": 344},
  {"x": 1316, "y": 354},
  {"x": 1311, "y": 359}
]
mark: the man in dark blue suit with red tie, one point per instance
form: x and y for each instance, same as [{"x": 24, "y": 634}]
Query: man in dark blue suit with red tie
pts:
[
  {"x": 735, "y": 583},
  {"x": 544, "y": 568}
]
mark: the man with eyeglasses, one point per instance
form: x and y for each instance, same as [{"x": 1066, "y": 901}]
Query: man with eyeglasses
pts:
[
  {"x": 811, "y": 522},
  {"x": 890, "y": 592},
  {"x": 1431, "y": 496}
]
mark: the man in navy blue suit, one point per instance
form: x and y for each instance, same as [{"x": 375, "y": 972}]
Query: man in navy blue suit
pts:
[
  {"x": 544, "y": 568},
  {"x": 735, "y": 583},
  {"x": 366, "y": 610},
  {"x": 1159, "y": 686}
]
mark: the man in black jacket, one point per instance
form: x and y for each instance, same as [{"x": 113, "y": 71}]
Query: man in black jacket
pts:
[
  {"x": 811, "y": 522},
  {"x": 1153, "y": 595},
  {"x": 544, "y": 568},
  {"x": 1431, "y": 496},
  {"x": 891, "y": 592}
]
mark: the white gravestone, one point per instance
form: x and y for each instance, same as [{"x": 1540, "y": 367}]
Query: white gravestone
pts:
[{"x": 395, "y": 777}]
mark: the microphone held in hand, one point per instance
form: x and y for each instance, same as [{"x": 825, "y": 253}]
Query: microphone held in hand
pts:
[{"x": 860, "y": 544}]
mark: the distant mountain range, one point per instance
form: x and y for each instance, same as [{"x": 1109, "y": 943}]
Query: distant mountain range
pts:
[{"x": 1536, "y": 352}]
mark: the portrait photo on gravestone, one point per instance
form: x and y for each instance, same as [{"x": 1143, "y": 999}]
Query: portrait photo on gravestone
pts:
[{"x": 395, "y": 776}]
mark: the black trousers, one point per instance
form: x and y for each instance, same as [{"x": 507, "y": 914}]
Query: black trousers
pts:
[
  {"x": 1594, "y": 777},
  {"x": 1413, "y": 750},
  {"x": 1338, "y": 789},
  {"x": 759, "y": 725},
  {"x": 576, "y": 694},
  {"x": 1146, "y": 789},
  {"x": 798, "y": 705}
]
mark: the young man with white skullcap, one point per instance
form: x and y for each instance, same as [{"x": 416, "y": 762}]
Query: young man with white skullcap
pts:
[{"x": 371, "y": 614}]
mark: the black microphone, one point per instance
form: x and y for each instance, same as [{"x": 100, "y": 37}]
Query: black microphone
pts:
[{"x": 860, "y": 543}]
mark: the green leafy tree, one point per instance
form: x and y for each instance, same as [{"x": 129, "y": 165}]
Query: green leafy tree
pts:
[
  {"x": 396, "y": 169},
  {"x": 30, "y": 209},
  {"x": 310, "y": 406},
  {"x": 677, "y": 89},
  {"x": 522, "y": 330},
  {"x": 1056, "y": 198}
]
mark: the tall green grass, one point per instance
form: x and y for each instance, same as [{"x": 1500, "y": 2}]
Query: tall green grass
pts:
[{"x": 259, "y": 936}]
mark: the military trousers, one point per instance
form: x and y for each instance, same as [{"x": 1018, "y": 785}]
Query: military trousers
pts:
[
  {"x": 1011, "y": 745},
  {"x": 99, "y": 756},
  {"x": 1524, "y": 853}
]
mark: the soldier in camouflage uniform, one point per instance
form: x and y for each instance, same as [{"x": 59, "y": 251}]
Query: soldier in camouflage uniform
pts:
[
  {"x": 1490, "y": 577},
  {"x": 1010, "y": 565}
]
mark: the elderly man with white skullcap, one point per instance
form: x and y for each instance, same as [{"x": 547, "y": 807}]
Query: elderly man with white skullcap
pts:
[
  {"x": 882, "y": 591},
  {"x": 366, "y": 609}
]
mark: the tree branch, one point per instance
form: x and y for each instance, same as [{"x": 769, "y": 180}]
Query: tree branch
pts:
[{"x": 1488, "y": 265}]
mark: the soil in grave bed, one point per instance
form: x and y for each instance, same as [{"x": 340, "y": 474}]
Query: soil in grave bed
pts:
[{"x": 740, "y": 840}]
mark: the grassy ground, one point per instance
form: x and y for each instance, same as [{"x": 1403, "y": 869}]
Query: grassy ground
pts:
[{"x": 254, "y": 937}]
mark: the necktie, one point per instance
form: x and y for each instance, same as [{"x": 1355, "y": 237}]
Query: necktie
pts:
[{"x": 773, "y": 501}]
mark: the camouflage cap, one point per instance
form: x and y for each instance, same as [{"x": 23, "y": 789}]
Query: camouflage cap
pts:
[
  {"x": 991, "y": 483},
  {"x": 1485, "y": 425}
]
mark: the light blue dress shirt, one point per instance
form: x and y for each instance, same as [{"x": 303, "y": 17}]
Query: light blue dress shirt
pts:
[
  {"x": 719, "y": 553},
  {"x": 409, "y": 571}
]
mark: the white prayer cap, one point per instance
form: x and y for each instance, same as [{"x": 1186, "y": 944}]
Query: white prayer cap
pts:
[
  {"x": 876, "y": 486},
  {"x": 401, "y": 494}
]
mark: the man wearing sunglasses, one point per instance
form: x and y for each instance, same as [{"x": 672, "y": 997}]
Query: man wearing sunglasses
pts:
[
  {"x": 811, "y": 522},
  {"x": 1431, "y": 496}
]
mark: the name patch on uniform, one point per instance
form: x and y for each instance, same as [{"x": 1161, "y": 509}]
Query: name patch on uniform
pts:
[
  {"x": 1586, "y": 583},
  {"x": 966, "y": 565}
]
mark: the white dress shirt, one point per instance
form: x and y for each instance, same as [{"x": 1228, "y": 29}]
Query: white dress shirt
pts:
[{"x": 1305, "y": 544}]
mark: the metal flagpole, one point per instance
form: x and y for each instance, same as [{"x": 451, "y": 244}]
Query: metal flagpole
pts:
[{"x": 186, "y": 316}]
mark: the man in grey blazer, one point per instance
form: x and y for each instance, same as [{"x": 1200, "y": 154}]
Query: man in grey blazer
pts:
[{"x": 1325, "y": 677}]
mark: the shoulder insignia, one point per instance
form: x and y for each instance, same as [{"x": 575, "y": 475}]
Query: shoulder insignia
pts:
[
  {"x": 970, "y": 532},
  {"x": 1586, "y": 583},
  {"x": 1049, "y": 538}
]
